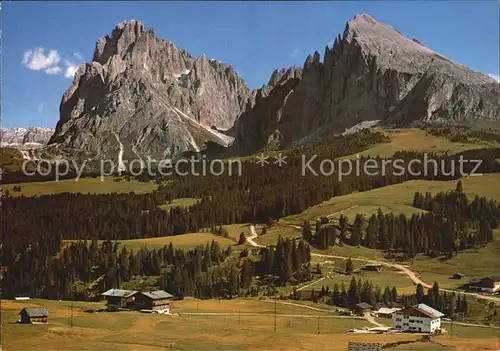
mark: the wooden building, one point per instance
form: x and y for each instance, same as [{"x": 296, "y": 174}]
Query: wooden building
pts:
[
  {"x": 34, "y": 316},
  {"x": 117, "y": 299},
  {"x": 372, "y": 267},
  {"x": 385, "y": 312},
  {"x": 361, "y": 308},
  {"x": 457, "y": 276},
  {"x": 154, "y": 301},
  {"x": 488, "y": 284}
]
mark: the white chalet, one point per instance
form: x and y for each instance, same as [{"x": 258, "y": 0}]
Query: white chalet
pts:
[{"x": 419, "y": 319}]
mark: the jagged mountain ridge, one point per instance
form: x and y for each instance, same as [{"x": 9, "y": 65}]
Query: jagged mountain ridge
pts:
[
  {"x": 372, "y": 72},
  {"x": 25, "y": 138},
  {"x": 144, "y": 96}
]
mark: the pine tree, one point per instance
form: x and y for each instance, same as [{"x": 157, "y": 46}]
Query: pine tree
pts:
[
  {"x": 353, "y": 293},
  {"x": 394, "y": 294},
  {"x": 348, "y": 266},
  {"x": 242, "y": 239},
  {"x": 344, "y": 298},
  {"x": 387, "y": 297},
  {"x": 246, "y": 274},
  {"x": 336, "y": 295},
  {"x": 343, "y": 225},
  {"x": 378, "y": 294},
  {"x": 371, "y": 232},
  {"x": 371, "y": 300},
  {"x": 420, "y": 295},
  {"x": 450, "y": 305},
  {"x": 317, "y": 230},
  {"x": 306, "y": 232},
  {"x": 332, "y": 235},
  {"x": 383, "y": 233},
  {"x": 465, "y": 307},
  {"x": 357, "y": 230},
  {"x": 458, "y": 304}
]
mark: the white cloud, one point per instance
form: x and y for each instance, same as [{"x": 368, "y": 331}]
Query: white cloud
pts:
[
  {"x": 36, "y": 60},
  {"x": 295, "y": 53},
  {"x": 71, "y": 69},
  {"x": 495, "y": 76},
  {"x": 53, "y": 70}
]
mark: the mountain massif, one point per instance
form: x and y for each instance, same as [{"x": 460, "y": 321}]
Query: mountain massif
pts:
[
  {"x": 371, "y": 73},
  {"x": 25, "y": 138},
  {"x": 142, "y": 96}
]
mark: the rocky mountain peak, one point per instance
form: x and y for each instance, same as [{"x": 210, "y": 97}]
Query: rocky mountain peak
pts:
[
  {"x": 125, "y": 34},
  {"x": 372, "y": 72},
  {"x": 143, "y": 94},
  {"x": 395, "y": 51}
]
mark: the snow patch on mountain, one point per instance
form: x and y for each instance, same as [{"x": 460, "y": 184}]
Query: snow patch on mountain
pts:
[{"x": 25, "y": 138}]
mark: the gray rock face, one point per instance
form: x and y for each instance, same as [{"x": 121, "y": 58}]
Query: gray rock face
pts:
[
  {"x": 372, "y": 72},
  {"x": 25, "y": 138},
  {"x": 142, "y": 96}
]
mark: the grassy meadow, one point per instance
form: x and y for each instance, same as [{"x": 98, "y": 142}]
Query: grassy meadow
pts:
[
  {"x": 414, "y": 139},
  {"x": 474, "y": 263},
  {"x": 185, "y": 241},
  {"x": 84, "y": 186},
  {"x": 237, "y": 325},
  {"x": 397, "y": 198},
  {"x": 181, "y": 202},
  {"x": 384, "y": 278}
]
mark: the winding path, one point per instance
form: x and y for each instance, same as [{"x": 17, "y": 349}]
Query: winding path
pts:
[
  {"x": 311, "y": 283},
  {"x": 252, "y": 237},
  {"x": 401, "y": 268}
]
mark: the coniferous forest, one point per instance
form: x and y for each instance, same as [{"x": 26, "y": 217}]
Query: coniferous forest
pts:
[
  {"x": 36, "y": 262},
  {"x": 453, "y": 223}
]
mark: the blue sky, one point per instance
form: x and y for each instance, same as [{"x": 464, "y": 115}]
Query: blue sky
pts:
[{"x": 255, "y": 37}]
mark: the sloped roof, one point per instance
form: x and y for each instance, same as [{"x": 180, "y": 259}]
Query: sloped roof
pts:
[
  {"x": 495, "y": 278},
  {"x": 119, "y": 293},
  {"x": 36, "y": 312},
  {"x": 429, "y": 311},
  {"x": 358, "y": 346},
  {"x": 157, "y": 295},
  {"x": 385, "y": 310},
  {"x": 364, "y": 305}
]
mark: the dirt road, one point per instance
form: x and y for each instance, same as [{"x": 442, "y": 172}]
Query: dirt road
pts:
[
  {"x": 252, "y": 237},
  {"x": 312, "y": 283},
  {"x": 401, "y": 268},
  {"x": 372, "y": 320}
]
